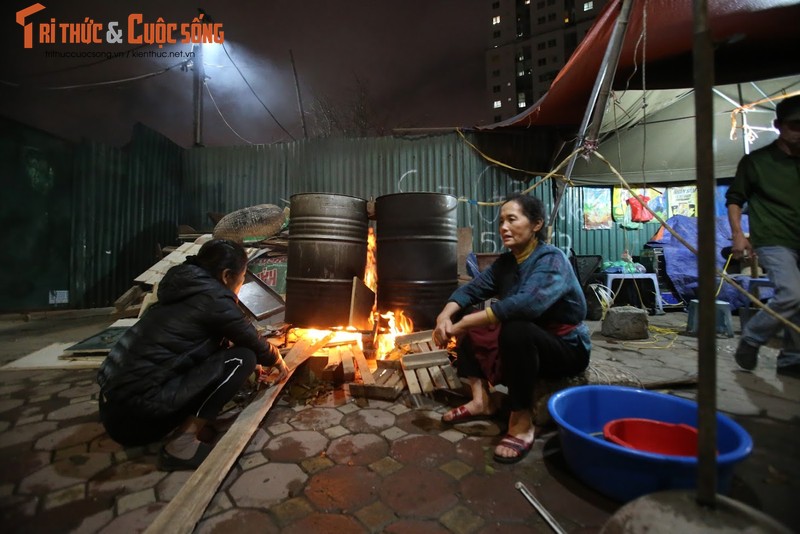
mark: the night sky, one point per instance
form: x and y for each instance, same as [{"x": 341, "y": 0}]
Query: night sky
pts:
[{"x": 422, "y": 62}]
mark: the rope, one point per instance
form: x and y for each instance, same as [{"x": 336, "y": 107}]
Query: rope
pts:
[
  {"x": 747, "y": 107},
  {"x": 551, "y": 174},
  {"x": 724, "y": 270}
]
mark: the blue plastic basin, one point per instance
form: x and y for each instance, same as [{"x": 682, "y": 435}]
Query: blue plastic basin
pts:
[{"x": 624, "y": 473}]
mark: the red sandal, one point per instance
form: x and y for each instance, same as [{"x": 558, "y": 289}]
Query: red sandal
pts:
[
  {"x": 461, "y": 414},
  {"x": 517, "y": 445}
]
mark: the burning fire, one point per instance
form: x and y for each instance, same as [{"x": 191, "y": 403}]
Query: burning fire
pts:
[
  {"x": 390, "y": 324},
  {"x": 341, "y": 335},
  {"x": 397, "y": 324},
  {"x": 371, "y": 272}
]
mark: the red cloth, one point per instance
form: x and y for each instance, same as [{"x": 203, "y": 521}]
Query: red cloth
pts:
[
  {"x": 638, "y": 212},
  {"x": 486, "y": 345}
]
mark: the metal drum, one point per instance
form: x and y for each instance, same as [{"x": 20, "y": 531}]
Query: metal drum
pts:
[
  {"x": 417, "y": 254},
  {"x": 327, "y": 248}
]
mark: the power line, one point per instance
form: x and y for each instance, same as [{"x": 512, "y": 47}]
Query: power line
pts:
[
  {"x": 208, "y": 89},
  {"x": 94, "y": 84},
  {"x": 254, "y": 93}
]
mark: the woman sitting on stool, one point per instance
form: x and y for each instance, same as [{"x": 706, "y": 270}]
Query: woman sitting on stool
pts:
[
  {"x": 187, "y": 356},
  {"x": 534, "y": 330}
]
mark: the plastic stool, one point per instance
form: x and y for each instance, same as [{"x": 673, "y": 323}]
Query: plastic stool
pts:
[
  {"x": 724, "y": 319},
  {"x": 658, "y": 307}
]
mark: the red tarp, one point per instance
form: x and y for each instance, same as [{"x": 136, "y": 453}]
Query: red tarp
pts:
[{"x": 753, "y": 39}]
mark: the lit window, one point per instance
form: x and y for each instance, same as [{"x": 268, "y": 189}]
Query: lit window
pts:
[
  {"x": 588, "y": 6},
  {"x": 521, "y": 73},
  {"x": 527, "y": 2},
  {"x": 496, "y": 19},
  {"x": 521, "y": 100},
  {"x": 497, "y": 104}
]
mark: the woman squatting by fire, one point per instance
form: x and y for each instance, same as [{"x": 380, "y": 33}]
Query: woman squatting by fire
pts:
[
  {"x": 533, "y": 330},
  {"x": 176, "y": 368}
]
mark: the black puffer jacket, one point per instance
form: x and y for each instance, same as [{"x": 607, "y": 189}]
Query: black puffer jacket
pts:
[{"x": 161, "y": 364}]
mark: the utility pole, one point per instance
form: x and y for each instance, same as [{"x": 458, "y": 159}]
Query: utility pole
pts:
[
  {"x": 299, "y": 98},
  {"x": 198, "y": 79}
]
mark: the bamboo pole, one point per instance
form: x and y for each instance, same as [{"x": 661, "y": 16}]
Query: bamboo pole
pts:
[{"x": 706, "y": 266}]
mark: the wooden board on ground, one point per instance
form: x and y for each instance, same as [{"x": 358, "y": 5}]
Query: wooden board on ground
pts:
[
  {"x": 430, "y": 369},
  {"x": 363, "y": 366},
  {"x": 101, "y": 342},
  {"x": 334, "y": 362},
  {"x": 388, "y": 384},
  {"x": 50, "y": 358},
  {"x": 183, "y": 512},
  {"x": 425, "y": 359},
  {"x": 348, "y": 367},
  {"x": 411, "y": 382}
]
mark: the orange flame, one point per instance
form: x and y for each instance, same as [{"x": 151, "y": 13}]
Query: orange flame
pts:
[
  {"x": 371, "y": 271},
  {"x": 397, "y": 324},
  {"x": 341, "y": 335}
]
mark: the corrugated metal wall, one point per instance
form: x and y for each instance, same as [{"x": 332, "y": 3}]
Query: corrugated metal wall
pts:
[
  {"x": 126, "y": 206},
  {"x": 225, "y": 179},
  {"x": 128, "y": 202},
  {"x": 35, "y": 214}
]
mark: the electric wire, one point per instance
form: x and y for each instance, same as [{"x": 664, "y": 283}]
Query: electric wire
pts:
[
  {"x": 123, "y": 53},
  {"x": 225, "y": 49},
  {"x": 94, "y": 84},
  {"x": 213, "y": 101}
]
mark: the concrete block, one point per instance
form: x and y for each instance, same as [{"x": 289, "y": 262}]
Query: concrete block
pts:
[{"x": 625, "y": 322}]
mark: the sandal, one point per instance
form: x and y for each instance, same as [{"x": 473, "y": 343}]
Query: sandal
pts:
[
  {"x": 462, "y": 413},
  {"x": 515, "y": 444},
  {"x": 168, "y": 462}
]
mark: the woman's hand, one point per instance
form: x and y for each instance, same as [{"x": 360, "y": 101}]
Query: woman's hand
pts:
[
  {"x": 441, "y": 334},
  {"x": 444, "y": 325},
  {"x": 276, "y": 374}
]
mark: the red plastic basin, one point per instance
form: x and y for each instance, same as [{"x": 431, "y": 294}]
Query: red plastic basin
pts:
[{"x": 676, "y": 439}]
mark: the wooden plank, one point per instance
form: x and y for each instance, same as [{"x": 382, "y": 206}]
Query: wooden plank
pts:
[
  {"x": 348, "y": 367},
  {"x": 451, "y": 376},
  {"x": 437, "y": 376},
  {"x": 131, "y": 296},
  {"x": 362, "y": 300},
  {"x": 411, "y": 382},
  {"x": 183, "y": 512},
  {"x": 424, "y": 379},
  {"x": 395, "y": 379},
  {"x": 425, "y": 359},
  {"x": 363, "y": 367},
  {"x": 334, "y": 361},
  {"x": 416, "y": 337}
]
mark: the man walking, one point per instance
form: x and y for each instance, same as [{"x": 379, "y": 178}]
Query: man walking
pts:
[{"x": 768, "y": 180}]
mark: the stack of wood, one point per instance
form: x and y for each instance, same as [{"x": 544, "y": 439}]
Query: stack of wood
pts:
[{"x": 414, "y": 364}]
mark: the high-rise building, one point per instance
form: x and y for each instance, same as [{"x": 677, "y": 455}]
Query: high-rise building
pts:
[{"x": 529, "y": 42}]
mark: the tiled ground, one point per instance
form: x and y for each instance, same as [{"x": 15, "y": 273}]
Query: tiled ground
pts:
[{"x": 327, "y": 463}]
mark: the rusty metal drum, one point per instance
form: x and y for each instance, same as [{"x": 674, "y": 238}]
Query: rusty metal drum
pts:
[
  {"x": 327, "y": 248},
  {"x": 417, "y": 241}
]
